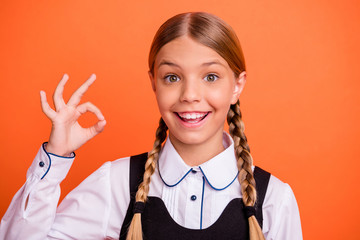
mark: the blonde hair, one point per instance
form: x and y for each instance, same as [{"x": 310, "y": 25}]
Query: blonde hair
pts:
[
  {"x": 212, "y": 32},
  {"x": 135, "y": 228}
]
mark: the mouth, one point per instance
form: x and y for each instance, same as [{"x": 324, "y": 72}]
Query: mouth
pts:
[{"x": 192, "y": 117}]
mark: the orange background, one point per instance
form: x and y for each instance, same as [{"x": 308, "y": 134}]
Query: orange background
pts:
[{"x": 300, "y": 105}]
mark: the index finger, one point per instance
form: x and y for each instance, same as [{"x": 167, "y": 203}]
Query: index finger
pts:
[
  {"x": 58, "y": 94},
  {"x": 76, "y": 96}
]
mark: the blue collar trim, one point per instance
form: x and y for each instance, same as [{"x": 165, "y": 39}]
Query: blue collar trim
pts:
[
  {"x": 178, "y": 181},
  {"x": 218, "y": 189}
]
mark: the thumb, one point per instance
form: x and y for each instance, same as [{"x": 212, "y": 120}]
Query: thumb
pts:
[{"x": 96, "y": 128}]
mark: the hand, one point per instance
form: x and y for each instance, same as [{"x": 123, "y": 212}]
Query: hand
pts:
[{"x": 66, "y": 134}]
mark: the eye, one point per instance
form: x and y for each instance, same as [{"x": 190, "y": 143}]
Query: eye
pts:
[
  {"x": 211, "y": 78},
  {"x": 171, "y": 78}
]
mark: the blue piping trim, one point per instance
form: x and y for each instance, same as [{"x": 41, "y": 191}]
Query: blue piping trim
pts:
[
  {"x": 48, "y": 155},
  {"x": 218, "y": 189},
  {"x": 178, "y": 181},
  {"x": 63, "y": 156},
  {"x": 57, "y": 155},
  {"x": 43, "y": 146},
  {"x": 202, "y": 203}
]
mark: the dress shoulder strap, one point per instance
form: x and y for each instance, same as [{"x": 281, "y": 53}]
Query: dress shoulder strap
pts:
[
  {"x": 262, "y": 178},
  {"x": 137, "y": 169},
  {"x": 136, "y": 172}
]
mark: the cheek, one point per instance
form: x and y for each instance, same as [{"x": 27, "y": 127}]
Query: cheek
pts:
[
  {"x": 165, "y": 98},
  {"x": 161, "y": 103},
  {"x": 220, "y": 97}
]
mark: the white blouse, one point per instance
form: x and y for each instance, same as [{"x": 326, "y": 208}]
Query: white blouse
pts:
[{"x": 194, "y": 196}]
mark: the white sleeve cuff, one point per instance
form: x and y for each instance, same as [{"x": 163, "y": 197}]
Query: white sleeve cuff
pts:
[{"x": 50, "y": 166}]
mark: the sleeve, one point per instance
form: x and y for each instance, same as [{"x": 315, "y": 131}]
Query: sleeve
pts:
[
  {"x": 280, "y": 212},
  {"x": 33, "y": 212},
  {"x": 84, "y": 212},
  {"x": 32, "y": 209}
]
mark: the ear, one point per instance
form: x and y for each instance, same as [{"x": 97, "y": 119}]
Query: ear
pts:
[
  {"x": 239, "y": 86},
  {"x": 152, "y": 80}
]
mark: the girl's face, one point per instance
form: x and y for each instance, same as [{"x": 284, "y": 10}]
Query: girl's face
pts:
[{"x": 194, "y": 87}]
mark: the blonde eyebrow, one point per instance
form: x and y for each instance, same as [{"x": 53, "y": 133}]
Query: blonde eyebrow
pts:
[
  {"x": 164, "y": 62},
  {"x": 168, "y": 63},
  {"x": 211, "y": 63}
]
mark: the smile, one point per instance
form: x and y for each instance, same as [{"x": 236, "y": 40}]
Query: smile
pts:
[{"x": 192, "y": 117}]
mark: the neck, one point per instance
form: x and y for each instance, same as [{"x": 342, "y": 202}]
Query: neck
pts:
[{"x": 196, "y": 154}]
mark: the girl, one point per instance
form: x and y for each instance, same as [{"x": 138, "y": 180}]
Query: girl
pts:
[{"x": 198, "y": 182}]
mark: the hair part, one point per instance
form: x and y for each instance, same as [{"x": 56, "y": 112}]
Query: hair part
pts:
[{"x": 204, "y": 28}]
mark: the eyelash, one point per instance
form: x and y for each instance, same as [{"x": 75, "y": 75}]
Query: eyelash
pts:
[
  {"x": 212, "y": 74},
  {"x": 166, "y": 78}
]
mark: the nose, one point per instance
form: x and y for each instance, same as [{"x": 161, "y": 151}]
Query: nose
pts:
[{"x": 190, "y": 91}]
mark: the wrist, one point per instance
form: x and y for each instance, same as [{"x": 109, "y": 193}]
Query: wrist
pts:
[{"x": 56, "y": 151}]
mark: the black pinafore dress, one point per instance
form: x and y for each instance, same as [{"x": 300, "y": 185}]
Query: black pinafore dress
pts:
[{"x": 157, "y": 224}]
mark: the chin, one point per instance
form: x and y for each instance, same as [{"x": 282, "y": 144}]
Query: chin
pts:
[
  {"x": 182, "y": 137},
  {"x": 192, "y": 138}
]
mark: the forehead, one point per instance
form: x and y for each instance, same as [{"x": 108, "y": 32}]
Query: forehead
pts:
[{"x": 186, "y": 52}]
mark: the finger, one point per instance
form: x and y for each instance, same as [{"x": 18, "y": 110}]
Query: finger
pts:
[
  {"x": 99, "y": 126},
  {"x": 58, "y": 94},
  {"x": 49, "y": 112},
  {"x": 89, "y": 107},
  {"x": 76, "y": 97},
  {"x": 95, "y": 129}
]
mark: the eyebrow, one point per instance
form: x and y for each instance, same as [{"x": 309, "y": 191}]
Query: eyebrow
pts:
[{"x": 165, "y": 62}]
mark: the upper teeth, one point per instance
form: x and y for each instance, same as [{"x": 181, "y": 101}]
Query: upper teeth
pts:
[{"x": 192, "y": 115}]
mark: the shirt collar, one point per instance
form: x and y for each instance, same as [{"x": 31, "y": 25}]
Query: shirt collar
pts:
[{"x": 219, "y": 172}]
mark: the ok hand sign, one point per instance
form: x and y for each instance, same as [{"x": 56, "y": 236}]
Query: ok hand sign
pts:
[{"x": 66, "y": 134}]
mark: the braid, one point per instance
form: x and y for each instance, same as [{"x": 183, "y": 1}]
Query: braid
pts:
[
  {"x": 244, "y": 163},
  {"x": 242, "y": 151},
  {"x": 135, "y": 228}
]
